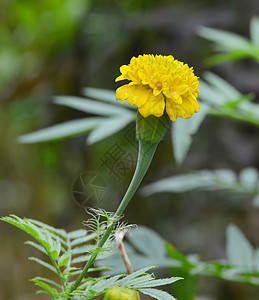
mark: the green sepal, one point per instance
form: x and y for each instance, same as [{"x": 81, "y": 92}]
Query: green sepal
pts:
[{"x": 152, "y": 129}]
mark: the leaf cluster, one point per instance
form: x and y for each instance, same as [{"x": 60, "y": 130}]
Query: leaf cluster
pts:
[
  {"x": 145, "y": 246},
  {"x": 232, "y": 45},
  {"x": 111, "y": 118},
  {"x": 66, "y": 251}
]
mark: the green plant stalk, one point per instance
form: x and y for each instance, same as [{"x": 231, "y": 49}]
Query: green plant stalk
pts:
[{"x": 145, "y": 156}]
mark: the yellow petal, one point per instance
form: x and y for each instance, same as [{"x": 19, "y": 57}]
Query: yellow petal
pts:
[
  {"x": 121, "y": 77},
  {"x": 171, "y": 109},
  {"x": 154, "y": 106},
  {"x": 188, "y": 108},
  {"x": 122, "y": 93},
  {"x": 135, "y": 94}
]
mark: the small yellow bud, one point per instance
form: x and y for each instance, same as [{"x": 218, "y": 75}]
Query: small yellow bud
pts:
[{"x": 120, "y": 293}]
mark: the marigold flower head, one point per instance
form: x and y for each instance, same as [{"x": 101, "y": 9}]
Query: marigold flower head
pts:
[{"x": 159, "y": 83}]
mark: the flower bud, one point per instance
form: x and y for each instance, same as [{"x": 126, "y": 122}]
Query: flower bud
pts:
[{"x": 120, "y": 293}]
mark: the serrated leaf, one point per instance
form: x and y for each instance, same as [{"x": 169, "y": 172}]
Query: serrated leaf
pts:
[
  {"x": 157, "y": 294},
  {"x": 89, "y": 106},
  {"x": 126, "y": 280},
  {"x": 108, "y": 127},
  {"x": 60, "y": 131},
  {"x": 43, "y": 263},
  {"x": 239, "y": 250},
  {"x": 183, "y": 130},
  {"x": 254, "y": 30},
  {"x": 158, "y": 282}
]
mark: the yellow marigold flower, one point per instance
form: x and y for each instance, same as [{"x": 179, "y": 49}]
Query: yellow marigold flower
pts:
[{"x": 159, "y": 83}]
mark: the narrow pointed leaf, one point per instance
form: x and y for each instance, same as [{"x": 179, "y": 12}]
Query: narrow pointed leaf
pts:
[
  {"x": 182, "y": 133},
  {"x": 100, "y": 94},
  {"x": 158, "y": 282},
  {"x": 89, "y": 106},
  {"x": 239, "y": 251},
  {"x": 109, "y": 127},
  {"x": 157, "y": 294},
  {"x": 254, "y": 30},
  {"x": 62, "y": 261},
  {"x": 60, "y": 131},
  {"x": 45, "y": 286},
  {"x": 47, "y": 281},
  {"x": 43, "y": 263},
  {"x": 37, "y": 246}
]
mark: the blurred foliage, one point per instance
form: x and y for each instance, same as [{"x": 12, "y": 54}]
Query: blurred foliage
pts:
[{"x": 57, "y": 47}]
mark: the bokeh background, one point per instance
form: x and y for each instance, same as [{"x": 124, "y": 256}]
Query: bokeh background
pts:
[{"x": 57, "y": 47}]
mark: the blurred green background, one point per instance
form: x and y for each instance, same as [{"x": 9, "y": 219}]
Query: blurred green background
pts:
[{"x": 56, "y": 47}]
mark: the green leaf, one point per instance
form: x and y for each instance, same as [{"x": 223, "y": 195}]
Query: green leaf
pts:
[
  {"x": 100, "y": 94},
  {"x": 77, "y": 234},
  {"x": 256, "y": 201},
  {"x": 157, "y": 294},
  {"x": 226, "y": 39},
  {"x": 224, "y": 57},
  {"x": 83, "y": 239},
  {"x": 158, "y": 282},
  {"x": 56, "y": 249},
  {"x": 90, "y": 106},
  {"x": 147, "y": 242},
  {"x": 176, "y": 255},
  {"x": 80, "y": 259},
  {"x": 256, "y": 260},
  {"x": 182, "y": 133},
  {"x": 144, "y": 248},
  {"x": 47, "y": 281},
  {"x": 62, "y": 261},
  {"x": 226, "y": 89},
  {"x": 202, "y": 180},
  {"x": 126, "y": 280},
  {"x": 254, "y": 30},
  {"x": 108, "y": 127},
  {"x": 45, "y": 286},
  {"x": 43, "y": 263},
  {"x": 185, "y": 289},
  {"x": 249, "y": 178},
  {"x": 60, "y": 131},
  {"x": 239, "y": 250},
  {"x": 57, "y": 232},
  {"x": 37, "y": 246}
]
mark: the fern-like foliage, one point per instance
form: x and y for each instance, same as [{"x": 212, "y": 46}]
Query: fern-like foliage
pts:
[{"x": 66, "y": 251}]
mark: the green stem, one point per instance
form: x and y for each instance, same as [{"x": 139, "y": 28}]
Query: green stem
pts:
[{"x": 145, "y": 155}]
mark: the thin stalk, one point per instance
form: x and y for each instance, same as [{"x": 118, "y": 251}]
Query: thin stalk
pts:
[{"x": 145, "y": 155}]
